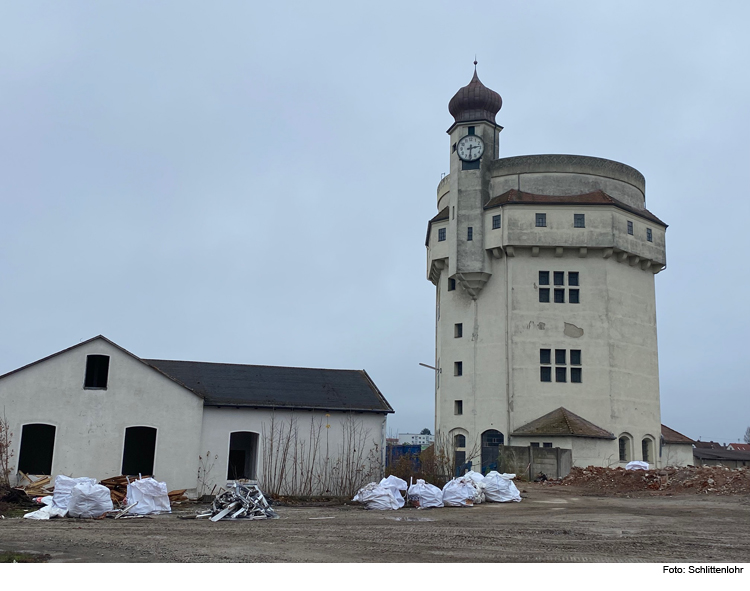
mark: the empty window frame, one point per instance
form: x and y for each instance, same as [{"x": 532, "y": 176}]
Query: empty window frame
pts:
[
  {"x": 496, "y": 222},
  {"x": 559, "y": 296},
  {"x": 541, "y": 220},
  {"x": 579, "y": 220},
  {"x": 574, "y": 296},
  {"x": 458, "y": 331},
  {"x": 139, "y": 451},
  {"x": 630, "y": 228},
  {"x": 469, "y": 233},
  {"x": 573, "y": 278},
  {"x": 576, "y": 376},
  {"x": 459, "y": 440},
  {"x": 649, "y": 235},
  {"x": 561, "y": 374},
  {"x": 543, "y": 277},
  {"x": 559, "y": 277},
  {"x": 544, "y": 295},
  {"x": 575, "y": 357},
  {"x": 560, "y": 355},
  {"x": 97, "y": 370},
  {"x": 441, "y": 234},
  {"x": 545, "y": 356},
  {"x": 451, "y": 284},
  {"x": 458, "y": 368},
  {"x": 458, "y": 407},
  {"x": 37, "y": 448},
  {"x": 243, "y": 452}
]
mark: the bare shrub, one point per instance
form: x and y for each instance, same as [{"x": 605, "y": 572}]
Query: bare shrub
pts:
[
  {"x": 6, "y": 451},
  {"x": 205, "y": 467}
]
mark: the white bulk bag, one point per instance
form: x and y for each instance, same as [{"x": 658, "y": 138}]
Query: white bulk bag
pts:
[
  {"x": 48, "y": 511},
  {"x": 477, "y": 481},
  {"x": 63, "y": 487},
  {"x": 636, "y": 465},
  {"x": 89, "y": 500},
  {"x": 459, "y": 492},
  {"x": 377, "y": 496},
  {"x": 424, "y": 495},
  {"x": 499, "y": 488},
  {"x": 151, "y": 496}
]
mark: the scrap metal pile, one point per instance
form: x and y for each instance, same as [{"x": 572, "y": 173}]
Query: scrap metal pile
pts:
[
  {"x": 241, "y": 501},
  {"x": 689, "y": 479}
]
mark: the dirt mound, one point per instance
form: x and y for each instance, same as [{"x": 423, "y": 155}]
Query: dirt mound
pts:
[{"x": 716, "y": 480}]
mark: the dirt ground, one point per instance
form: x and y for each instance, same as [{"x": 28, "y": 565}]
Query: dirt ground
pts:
[{"x": 551, "y": 524}]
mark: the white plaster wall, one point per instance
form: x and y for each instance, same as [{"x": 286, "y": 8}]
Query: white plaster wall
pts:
[
  {"x": 677, "y": 454},
  {"x": 91, "y": 424},
  {"x": 220, "y": 422}
]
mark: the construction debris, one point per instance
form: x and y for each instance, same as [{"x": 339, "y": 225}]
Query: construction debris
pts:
[
  {"x": 716, "y": 480},
  {"x": 118, "y": 487},
  {"x": 37, "y": 486},
  {"x": 241, "y": 501}
]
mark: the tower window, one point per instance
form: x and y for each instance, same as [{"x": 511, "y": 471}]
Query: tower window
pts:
[
  {"x": 630, "y": 228},
  {"x": 573, "y": 278},
  {"x": 451, "y": 284},
  {"x": 541, "y": 220},
  {"x": 559, "y": 296},
  {"x": 458, "y": 407},
  {"x": 559, "y": 278},
  {"x": 469, "y": 233},
  {"x": 560, "y": 356},
  {"x": 575, "y": 375},
  {"x": 496, "y": 222},
  {"x": 544, "y": 295},
  {"x": 471, "y": 130},
  {"x": 649, "y": 235},
  {"x": 561, "y": 374},
  {"x": 575, "y": 357},
  {"x": 441, "y": 235},
  {"x": 545, "y": 356},
  {"x": 458, "y": 368},
  {"x": 97, "y": 370},
  {"x": 545, "y": 374},
  {"x": 579, "y": 220},
  {"x": 543, "y": 277},
  {"x": 458, "y": 331},
  {"x": 573, "y": 296}
]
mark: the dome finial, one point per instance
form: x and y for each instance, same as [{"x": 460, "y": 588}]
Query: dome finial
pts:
[{"x": 475, "y": 101}]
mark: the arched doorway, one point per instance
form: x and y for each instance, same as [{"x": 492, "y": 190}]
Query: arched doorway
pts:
[
  {"x": 139, "y": 450},
  {"x": 243, "y": 450},
  {"x": 37, "y": 446},
  {"x": 491, "y": 441}
]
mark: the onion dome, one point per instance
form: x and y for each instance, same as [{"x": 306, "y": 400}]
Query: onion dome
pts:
[{"x": 475, "y": 102}]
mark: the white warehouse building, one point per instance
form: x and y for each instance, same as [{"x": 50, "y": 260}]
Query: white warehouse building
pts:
[{"x": 544, "y": 271}]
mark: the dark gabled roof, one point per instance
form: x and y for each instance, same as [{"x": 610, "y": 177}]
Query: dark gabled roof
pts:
[
  {"x": 594, "y": 198},
  {"x": 562, "y": 423},
  {"x": 672, "y": 436},
  {"x": 709, "y": 445},
  {"x": 440, "y": 217},
  {"x": 721, "y": 454},
  {"x": 227, "y": 384}
]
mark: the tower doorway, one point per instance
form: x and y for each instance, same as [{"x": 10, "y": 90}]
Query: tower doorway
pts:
[
  {"x": 37, "y": 447},
  {"x": 491, "y": 441},
  {"x": 139, "y": 450},
  {"x": 243, "y": 446}
]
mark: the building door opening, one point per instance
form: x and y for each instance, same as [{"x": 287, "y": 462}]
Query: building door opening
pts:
[
  {"x": 37, "y": 445},
  {"x": 491, "y": 441},
  {"x": 138, "y": 454},
  {"x": 243, "y": 446}
]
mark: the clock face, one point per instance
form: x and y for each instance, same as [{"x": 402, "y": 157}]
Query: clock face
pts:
[{"x": 470, "y": 148}]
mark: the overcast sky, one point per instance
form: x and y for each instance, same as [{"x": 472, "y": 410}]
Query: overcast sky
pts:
[{"x": 250, "y": 182}]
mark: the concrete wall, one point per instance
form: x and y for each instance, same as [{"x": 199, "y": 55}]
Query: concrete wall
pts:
[
  {"x": 529, "y": 462},
  {"x": 343, "y": 438},
  {"x": 677, "y": 454},
  {"x": 90, "y": 424}
]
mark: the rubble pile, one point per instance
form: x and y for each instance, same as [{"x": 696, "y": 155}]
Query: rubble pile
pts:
[
  {"x": 241, "y": 501},
  {"x": 690, "y": 479},
  {"x": 118, "y": 487}
]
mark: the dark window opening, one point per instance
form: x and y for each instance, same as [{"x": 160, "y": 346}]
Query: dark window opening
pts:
[
  {"x": 491, "y": 441},
  {"x": 441, "y": 235},
  {"x": 460, "y": 461},
  {"x": 459, "y": 441},
  {"x": 574, "y": 296},
  {"x": 545, "y": 356},
  {"x": 37, "y": 447},
  {"x": 469, "y": 233},
  {"x": 544, "y": 295},
  {"x": 630, "y": 228},
  {"x": 547, "y": 444},
  {"x": 97, "y": 368},
  {"x": 458, "y": 407},
  {"x": 624, "y": 451},
  {"x": 645, "y": 447},
  {"x": 575, "y": 357},
  {"x": 458, "y": 368},
  {"x": 454, "y": 147},
  {"x": 579, "y": 220},
  {"x": 575, "y": 375},
  {"x": 545, "y": 374},
  {"x": 560, "y": 356},
  {"x": 561, "y": 374},
  {"x": 474, "y": 165},
  {"x": 495, "y": 222},
  {"x": 649, "y": 235},
  {"x": 458, "y": 331},
  {"x": 138, "y": 454},
  {"x": 559, "y": 296},
  {"x": 543, "y": 277},
  {"x": 559, "y": 278},
  {"x": 243, "y": 447},
  {"x": 541, "y": 220},
  {"x": 573, "y": 278},
  {"x": 534, "y": 444},
  {"x": 471, "y": 130},
  {"x": 451, "y": 284}
]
